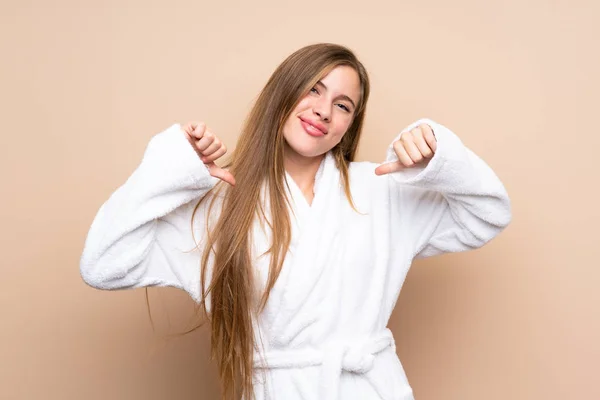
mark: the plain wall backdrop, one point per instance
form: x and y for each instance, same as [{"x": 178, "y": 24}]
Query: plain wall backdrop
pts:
[{"x": 85, "y": 85}]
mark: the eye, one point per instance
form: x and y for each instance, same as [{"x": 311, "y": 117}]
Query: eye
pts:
[
  {"x": 314, "y": 90},
  {"x": 343, "y": 107}
]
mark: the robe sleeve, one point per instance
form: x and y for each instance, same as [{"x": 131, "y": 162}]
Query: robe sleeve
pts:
[
  {"x": 142, "y": 235},
  {"x": 454, "y": 202}
]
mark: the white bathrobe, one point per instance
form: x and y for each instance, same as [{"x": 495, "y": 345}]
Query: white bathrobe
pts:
[{"x": 323, "y": 332}]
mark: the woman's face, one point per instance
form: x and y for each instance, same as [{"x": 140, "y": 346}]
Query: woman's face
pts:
[{"x": 323, "y": 116}]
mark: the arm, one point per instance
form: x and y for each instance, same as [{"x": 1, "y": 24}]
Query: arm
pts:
[
  {"x": 451, "y": 202},
  {"x": 141, "y": 236}
]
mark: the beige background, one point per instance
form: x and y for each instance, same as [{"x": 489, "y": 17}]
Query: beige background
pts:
[{"x": 84, "y": 87}]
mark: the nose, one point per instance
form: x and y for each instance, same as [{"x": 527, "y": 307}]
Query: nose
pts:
[{"x": 322, "y": 108}]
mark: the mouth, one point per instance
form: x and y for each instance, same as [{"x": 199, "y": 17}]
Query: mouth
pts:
[{"x": 312, "y": 129}]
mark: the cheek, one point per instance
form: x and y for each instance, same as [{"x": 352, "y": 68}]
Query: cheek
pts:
[
  {"x": 287, "y": 125},
  {"x": 342, "y": 126},
  {"x": 304, "y": 103}
]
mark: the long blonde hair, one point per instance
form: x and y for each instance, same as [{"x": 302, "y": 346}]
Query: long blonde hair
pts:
[{"x": 256, "y": 161}]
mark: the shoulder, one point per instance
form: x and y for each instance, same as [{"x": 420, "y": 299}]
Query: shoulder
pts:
[
  {"x": 362, "y": 169},
  {"x": 362, "y": 174}
]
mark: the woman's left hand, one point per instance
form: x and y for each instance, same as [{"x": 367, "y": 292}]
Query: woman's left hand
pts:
[{"x": 413, "y": 148}]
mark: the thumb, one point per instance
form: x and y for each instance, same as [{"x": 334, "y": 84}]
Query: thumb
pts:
[
  {"x": 220, "y": 173},
  {"x": 388, "y": 168}
]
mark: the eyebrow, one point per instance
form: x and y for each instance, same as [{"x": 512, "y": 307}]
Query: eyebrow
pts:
[{"x": 341, "y": 96}]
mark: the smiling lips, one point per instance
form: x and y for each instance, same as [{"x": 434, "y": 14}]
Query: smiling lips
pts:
[{"x": 313, "y": 128}]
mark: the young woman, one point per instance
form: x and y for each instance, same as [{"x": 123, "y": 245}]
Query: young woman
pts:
[{"x": 296, "y": 252}]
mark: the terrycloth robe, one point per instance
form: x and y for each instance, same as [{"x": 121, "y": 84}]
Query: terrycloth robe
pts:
[{"x": 323, "y": 332}]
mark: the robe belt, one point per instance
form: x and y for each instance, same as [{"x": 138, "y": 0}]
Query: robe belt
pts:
[{"x": 355, "y": 356}]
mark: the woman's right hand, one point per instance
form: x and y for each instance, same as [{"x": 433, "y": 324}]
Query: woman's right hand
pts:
[{"x": 209, "y": 148}]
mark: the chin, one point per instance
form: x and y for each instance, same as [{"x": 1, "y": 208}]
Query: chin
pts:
[{"x": 307, "y": 152}]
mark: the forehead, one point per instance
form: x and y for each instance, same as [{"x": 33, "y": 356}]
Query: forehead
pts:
[{"x": 343, "y": 80}]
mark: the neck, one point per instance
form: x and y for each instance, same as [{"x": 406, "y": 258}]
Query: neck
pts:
[{"x": 302, "y": 170}]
